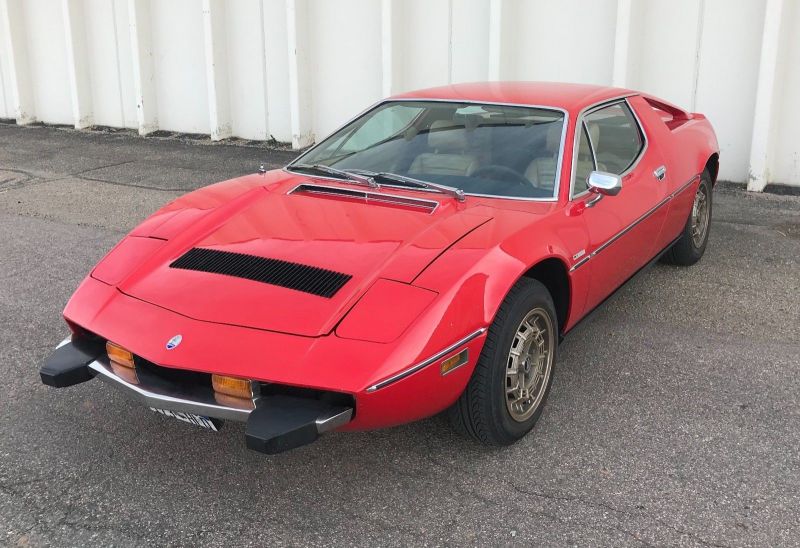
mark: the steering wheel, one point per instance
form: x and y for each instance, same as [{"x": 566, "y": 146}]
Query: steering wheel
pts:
[{"x": 501, "y": 173}]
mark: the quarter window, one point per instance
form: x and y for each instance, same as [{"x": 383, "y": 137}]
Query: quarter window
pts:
[{"x": 616, "y": 138}]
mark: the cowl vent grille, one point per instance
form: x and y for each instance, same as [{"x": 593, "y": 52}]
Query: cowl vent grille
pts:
[
  {"x": 367, "y": 197},
  {"x": 300, "y": 277}
]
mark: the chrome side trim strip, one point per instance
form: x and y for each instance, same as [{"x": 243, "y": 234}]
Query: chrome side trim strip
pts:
[
  {"x": 581, "y": 262},
  {"x": 683, "y": 187},
  {"x": 151, "y": 398},
  {"x": 630, "y": 227},
  {"x": 421, "y": 365}
]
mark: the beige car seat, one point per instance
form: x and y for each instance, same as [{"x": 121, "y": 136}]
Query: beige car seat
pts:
[
  {"x": 541, "y": 172},
  {"x": 449, "y": 156}
]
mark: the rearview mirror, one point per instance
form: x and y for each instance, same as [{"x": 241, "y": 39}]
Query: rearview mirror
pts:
[{"x": 603, "y": 183}]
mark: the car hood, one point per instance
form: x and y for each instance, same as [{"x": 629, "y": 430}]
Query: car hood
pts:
[{"x": 323, "y": 225}]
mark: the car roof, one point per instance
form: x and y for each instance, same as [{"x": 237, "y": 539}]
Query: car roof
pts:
[{"x": 570, "y": 97}]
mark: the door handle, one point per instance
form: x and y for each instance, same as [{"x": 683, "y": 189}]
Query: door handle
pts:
[{"x": 660, "y": 173}]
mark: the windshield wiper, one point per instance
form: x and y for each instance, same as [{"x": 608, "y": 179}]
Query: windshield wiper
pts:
[
  {"x": 328, "y": 170},
  {"x": 366, "y": 177},
  {"x": 456, "y": 193}
]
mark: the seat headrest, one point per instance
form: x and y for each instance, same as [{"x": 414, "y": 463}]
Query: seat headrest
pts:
[
  {"x": 446, "y": 136},
  {"x": 553, "y": 137}
]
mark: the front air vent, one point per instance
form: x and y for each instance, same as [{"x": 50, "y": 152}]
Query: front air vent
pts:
[
  {"x": 367, "y": 197},
  {"x": 300, "y": 277}
]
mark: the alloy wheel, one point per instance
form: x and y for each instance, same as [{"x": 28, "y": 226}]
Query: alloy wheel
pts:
[
  {"x": 529, "y": 364},
  {"x": 700, "y": 216}
]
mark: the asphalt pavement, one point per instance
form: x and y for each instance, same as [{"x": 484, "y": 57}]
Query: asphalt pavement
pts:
[{"x": 674, "y": 417}]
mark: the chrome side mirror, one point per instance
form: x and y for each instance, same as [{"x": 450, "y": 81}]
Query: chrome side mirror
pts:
[
  {"x": 607, "y": 184},
  {"x": 603, "y": 184}
]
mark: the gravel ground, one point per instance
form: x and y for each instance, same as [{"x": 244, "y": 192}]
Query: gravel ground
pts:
[{"x": 674, "y": 417}]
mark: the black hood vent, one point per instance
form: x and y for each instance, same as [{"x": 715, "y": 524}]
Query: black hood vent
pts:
[{"x": 300, "y": 277}]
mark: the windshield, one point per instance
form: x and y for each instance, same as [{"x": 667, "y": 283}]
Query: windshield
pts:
[{"x": 495, "y": 150}]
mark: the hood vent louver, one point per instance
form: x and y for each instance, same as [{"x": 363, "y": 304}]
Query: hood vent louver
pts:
[
  {"x": 308, "y": 279},
  {"x": 367, "y": 197}
]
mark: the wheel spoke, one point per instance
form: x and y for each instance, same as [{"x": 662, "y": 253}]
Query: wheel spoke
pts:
[
  {"x": 512, "y": 382},
  {"x": 517, "y": 347}
]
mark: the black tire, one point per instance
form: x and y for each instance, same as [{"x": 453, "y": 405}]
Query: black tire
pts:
[
  {"x": 481, "y": 411},
  {"x": 686, "y": 251}
]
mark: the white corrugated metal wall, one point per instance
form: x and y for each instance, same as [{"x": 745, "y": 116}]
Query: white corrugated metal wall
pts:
[{"x": 295, "y": 69}]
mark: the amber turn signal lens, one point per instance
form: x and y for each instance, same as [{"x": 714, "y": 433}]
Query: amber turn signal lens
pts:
[
  {"x": 125, "y": 373},
  {"x": 119, "y": 355},
  {"x": 232, "y": 386},
  {"x": 454, "y": 362},
  {"x": 237, "y": 403}
]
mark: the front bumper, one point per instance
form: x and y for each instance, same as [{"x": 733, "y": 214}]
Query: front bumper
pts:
[{"x": 276, "y": 423}]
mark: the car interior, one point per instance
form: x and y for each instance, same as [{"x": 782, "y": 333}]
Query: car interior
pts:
[
  {"x": 492, "y": 150},
  {"x": 487, "y": 153}
]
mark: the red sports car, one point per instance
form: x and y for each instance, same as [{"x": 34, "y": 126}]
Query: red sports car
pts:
[{"x": 427, "y": 256}]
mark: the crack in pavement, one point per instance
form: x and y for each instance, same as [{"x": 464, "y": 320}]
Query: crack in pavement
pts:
[
  {"x": 587, "y": 502},
  {"x": 82, "y": 175},
  {"x": 44, "y": 176},
  {"x": 132, "y": 185},
  {"x": 605, "y": 506},
  {"x": 33, "y": 179},
  {"x": 493, "y": 504},
  {"x": 59, "y": 502}
]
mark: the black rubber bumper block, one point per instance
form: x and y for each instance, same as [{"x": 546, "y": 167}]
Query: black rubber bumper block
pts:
[
  {"x": 68, "y": 364},
  {"x": 280, "y": 423}
]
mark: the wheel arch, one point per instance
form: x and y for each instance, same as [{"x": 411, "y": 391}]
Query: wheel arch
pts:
[
  {"x": 712, "y": 165},
  {"x": 554, "y": 275}
]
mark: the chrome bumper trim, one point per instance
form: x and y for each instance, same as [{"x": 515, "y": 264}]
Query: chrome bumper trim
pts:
[
  {"x": 162, "y": 398},
  {"x": 326, "y": 424},
  {"x": 151, "y": 394}
]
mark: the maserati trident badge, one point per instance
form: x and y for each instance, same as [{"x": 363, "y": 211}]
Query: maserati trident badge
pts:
[{"x": 174, "y": 342}]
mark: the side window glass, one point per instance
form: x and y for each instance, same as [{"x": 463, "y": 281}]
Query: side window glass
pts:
[
  {"x": 584, "y": 164},
  {"x": 616, "y": 138}
]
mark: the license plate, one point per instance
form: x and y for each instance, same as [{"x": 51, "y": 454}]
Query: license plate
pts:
[{"x": 191, "y": 418}]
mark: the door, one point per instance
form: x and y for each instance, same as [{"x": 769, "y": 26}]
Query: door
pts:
[{"x": 622, "y": 230}]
